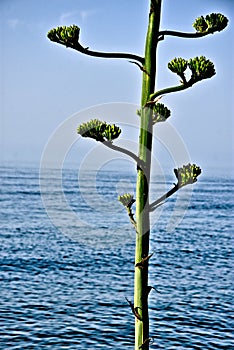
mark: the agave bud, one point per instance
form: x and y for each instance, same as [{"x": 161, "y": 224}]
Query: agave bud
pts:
[
  {"x": 52, "y": 35},
  {"x": 201, "y": 68},
  {"x": 65, "y": 35},
  {"x": 111, "y": 132},
  {"x": 216, "y": 21},
  {"x": 160, "y": 113},
  {"x": 187, "y": 174},
  {"x": 178, "y": 66},
  {"x": 127, "y": 200},
  {"x": 93, "y": 129},
  {"x": 211, "y": 23},
  {"x": 200, "y": 24},
  {"x": 98, "y": 130}
]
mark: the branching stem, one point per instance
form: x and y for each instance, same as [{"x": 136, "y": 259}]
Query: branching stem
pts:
[
  {"x": 163, "y": 33},
  {"x": 139, "y": 162},
  {"x": 156, "y": 203},
  {"x": 160, "y": 200},
  {"x": 86, "y": 51},
  {"x": 131, "y": 217},
  {"x": 169, "y": 90}
]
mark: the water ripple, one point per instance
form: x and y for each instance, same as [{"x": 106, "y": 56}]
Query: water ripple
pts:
[{"x": 59, "y": 294}]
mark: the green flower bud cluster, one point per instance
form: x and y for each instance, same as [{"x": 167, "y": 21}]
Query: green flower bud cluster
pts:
[
  {"x": 111, "y": 132},
  {"x": 127, "y": 200},
  {"x": 201, "y": 68},
  {"x": 216, "y": 21},
  {"x": 160, "y": 113},
  {"x": 187, "y": 174},
  {"x": 211, "y": 23},
  {"x": 200, "y": 24},
  {"x": 178, "y": 66},
  {"x": 65, "y": 35},
  {"x": 98, "y": 130}
]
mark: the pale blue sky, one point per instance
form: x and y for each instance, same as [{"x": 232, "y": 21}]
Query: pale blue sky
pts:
[{"x": 42, "y": 83}]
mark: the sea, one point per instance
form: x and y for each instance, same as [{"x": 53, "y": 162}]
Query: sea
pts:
[{"x": 67, "y": 262}]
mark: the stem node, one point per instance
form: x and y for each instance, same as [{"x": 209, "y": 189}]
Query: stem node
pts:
[{"x": 144, "y": 261}]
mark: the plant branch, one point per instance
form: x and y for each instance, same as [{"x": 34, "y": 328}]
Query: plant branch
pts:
[
  {"x": 163, "y": 33},
  {"x": 186, "y": 175},
  {"x": 86, "y": 51},
  {"x": 169, "y": 90},
  {"x": 160, "y": 200},
  {"x": 127, "y": 200},
  {"x": 139, "y": 162},
  {"x": 214, "y": 22},
  {"x": 131, "y": 217},
  {"x": 200, "y": 67}
]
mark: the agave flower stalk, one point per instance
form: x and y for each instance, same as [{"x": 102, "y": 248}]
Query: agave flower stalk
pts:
[
  {"x": 150, "y": 114},
  {"x": 143, "y": 179}
]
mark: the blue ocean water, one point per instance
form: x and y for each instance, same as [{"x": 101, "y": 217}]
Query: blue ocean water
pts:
[{"x": 66, "y": 289}]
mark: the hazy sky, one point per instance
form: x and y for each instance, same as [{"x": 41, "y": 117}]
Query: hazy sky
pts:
[{"x": 43, "y": 83}]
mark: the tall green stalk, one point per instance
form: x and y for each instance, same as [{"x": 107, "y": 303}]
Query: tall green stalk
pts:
[
  {"x": 143, "y": 180},
  {"x": 151, "y": 113}
]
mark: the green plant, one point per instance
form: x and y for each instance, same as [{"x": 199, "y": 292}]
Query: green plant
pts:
[{"x": 151, "y": 112}]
